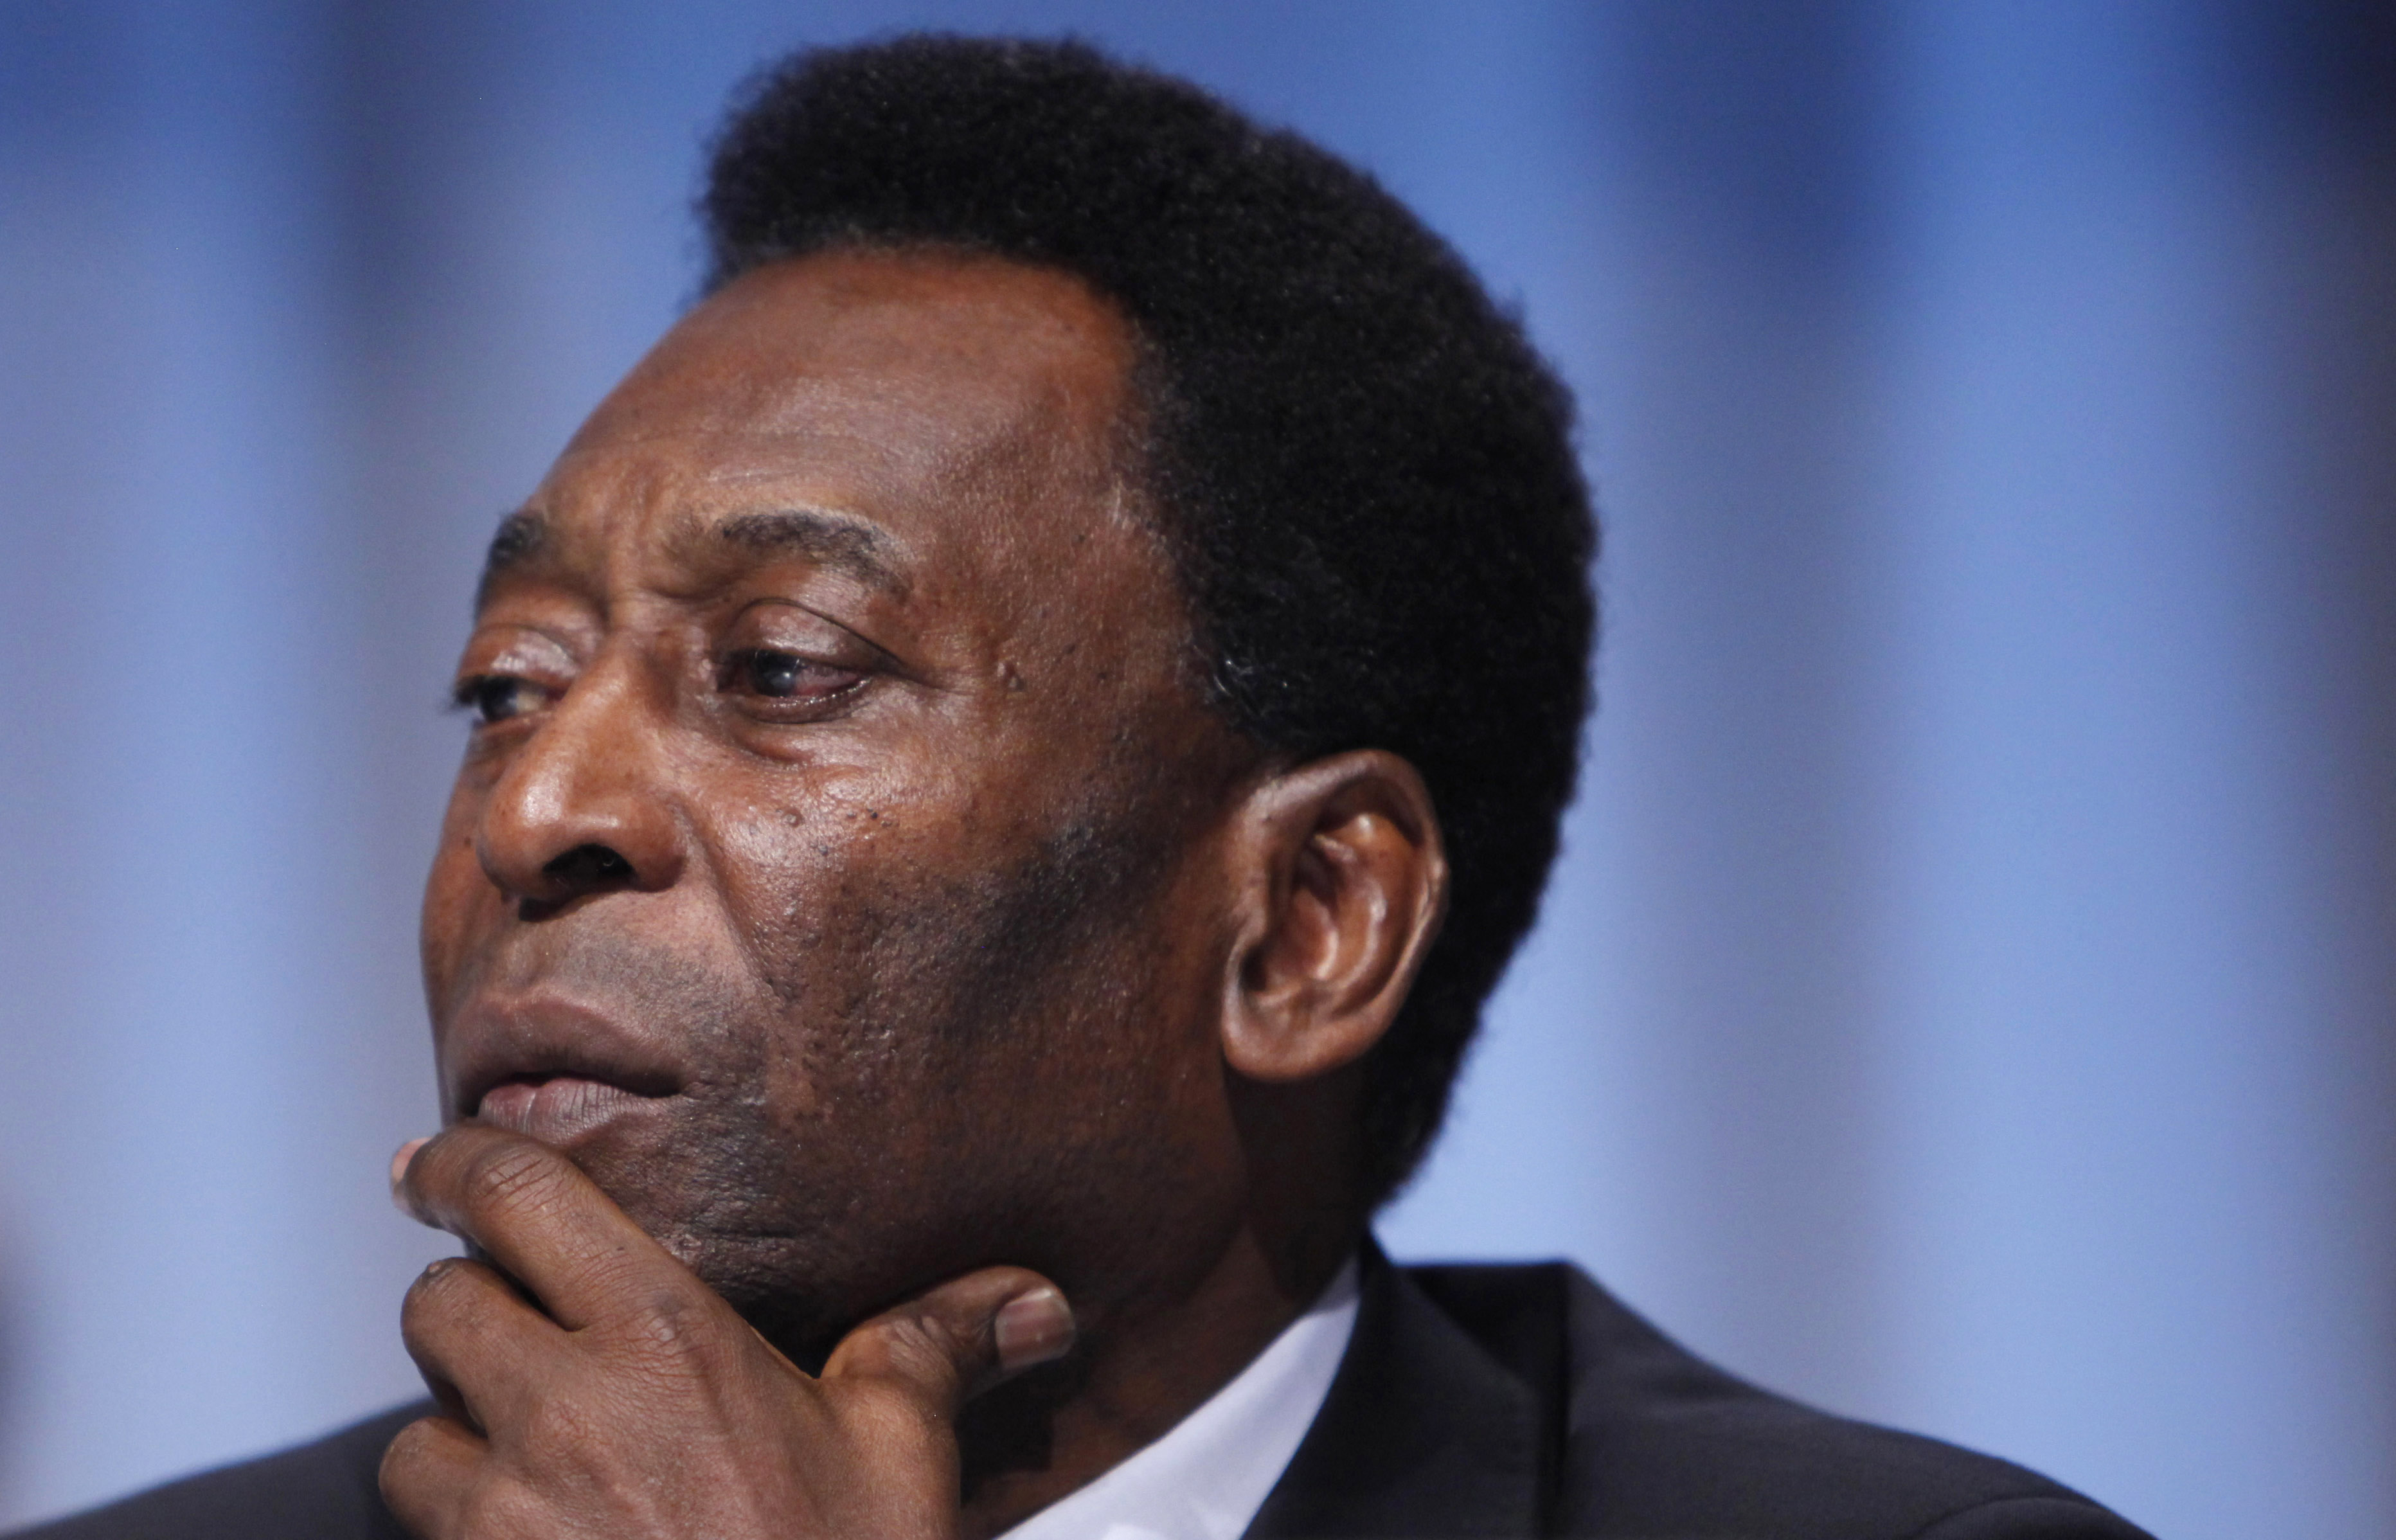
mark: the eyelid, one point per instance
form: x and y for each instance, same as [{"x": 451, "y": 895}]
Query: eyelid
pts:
[
  {"x": 518, "y": 650},
  {"x": 880, "y": 659},
  {"x": 475, "y": 693},
  {"x": 732, "y": 668},
  {"x": 511, "y": 652}
]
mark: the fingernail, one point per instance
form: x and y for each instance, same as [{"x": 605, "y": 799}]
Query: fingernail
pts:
[
  {"x": 399, "y": 1169},
  {"x": 1032, "y": 1328}
]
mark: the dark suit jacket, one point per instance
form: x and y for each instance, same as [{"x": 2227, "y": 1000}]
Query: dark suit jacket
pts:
[{"x": 1475, "y": 1401}]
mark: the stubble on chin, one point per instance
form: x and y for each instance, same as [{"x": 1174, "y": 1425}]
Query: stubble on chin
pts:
[{"x": 917, "y": 1082}]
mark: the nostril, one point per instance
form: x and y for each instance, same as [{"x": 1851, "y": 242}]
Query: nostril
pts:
[{"x": 588, "y": 867}]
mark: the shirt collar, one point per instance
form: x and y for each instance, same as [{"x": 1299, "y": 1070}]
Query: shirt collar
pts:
[
  {"x": 1425, "y": 1431},
  {"x": 1207, "y": 1477}
]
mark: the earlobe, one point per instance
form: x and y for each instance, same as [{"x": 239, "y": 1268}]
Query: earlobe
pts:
[{"x": 1343, "y": 887}]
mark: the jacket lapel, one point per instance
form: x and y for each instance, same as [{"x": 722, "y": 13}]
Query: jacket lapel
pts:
[{"x": 1423, "y": 1434}]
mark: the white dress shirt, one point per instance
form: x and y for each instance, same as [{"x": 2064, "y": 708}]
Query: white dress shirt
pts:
[{"x": 1206, "y": 1479}]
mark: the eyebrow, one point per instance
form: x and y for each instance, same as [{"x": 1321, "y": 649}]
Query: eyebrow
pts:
[
  {"x": 519, "y": 538},
  {"x": 827, "y": 539}
]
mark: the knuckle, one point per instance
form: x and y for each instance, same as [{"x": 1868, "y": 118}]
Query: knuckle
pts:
[
  {"x": 671, "y": 1347},
  {"x": 913, "y": 1354},
  {"x": 404, "y": 1462},
  {"x": 431, "y": 1300},
  {"x": 515, "y": 1175},
  {"x": 558, "y": 1426},
  {"x": 670, "y": 1324},
  {"x": 405, "y": 1450},
  {"x": 437, "y": 1280},
  {"x": 926, "y": 1346},
  {"x": 500, "y": 1508}
]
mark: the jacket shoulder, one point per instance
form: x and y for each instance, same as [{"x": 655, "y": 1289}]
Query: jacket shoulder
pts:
[
  {"x": 321, "y": 1491},
  {"x": 1642, "y": 1438}
]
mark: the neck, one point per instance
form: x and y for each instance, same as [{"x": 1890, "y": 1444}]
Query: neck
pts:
[{"x": 1138, "y": 1371}]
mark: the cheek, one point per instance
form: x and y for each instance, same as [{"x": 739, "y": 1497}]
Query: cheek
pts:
[
  {"x": 459, "y": 900},
  {"x": 806, "y": 885},
  {"x": 788, "y": 868},
  {"x": 941, "y": 979}
]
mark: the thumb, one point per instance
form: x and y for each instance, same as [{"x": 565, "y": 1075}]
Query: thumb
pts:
[{"x": 949, "y": 1344}]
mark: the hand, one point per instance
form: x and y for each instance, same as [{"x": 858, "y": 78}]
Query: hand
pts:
[{"x": 640, "y": 1405}]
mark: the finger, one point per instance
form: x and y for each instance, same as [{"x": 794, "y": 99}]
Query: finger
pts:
[
  {"x": 399, "y": 1163},
  {"x": 473, "y": 1337},
  {"x": 427, "y": 1474},
  {"x": 543, "y": 1222},
  {"x": 956, "y": 1341}
]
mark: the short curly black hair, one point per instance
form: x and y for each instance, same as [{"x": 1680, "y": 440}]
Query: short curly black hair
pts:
[{"x": 1364, "y": 472}]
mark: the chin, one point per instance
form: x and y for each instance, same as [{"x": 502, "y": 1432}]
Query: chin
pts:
[
  {"x": 801, "y": 1297},
  {"x": 794, "y": 1274}
]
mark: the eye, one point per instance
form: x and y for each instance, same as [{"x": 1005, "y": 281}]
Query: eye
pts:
[
  {"x": 779, "y": 676},
  {"x": 497, "y": 697}
]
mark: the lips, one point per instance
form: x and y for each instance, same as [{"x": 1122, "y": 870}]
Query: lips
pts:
[
  {"x": 556, "y": 1109},
  {"x": 551, "y": 1068}
]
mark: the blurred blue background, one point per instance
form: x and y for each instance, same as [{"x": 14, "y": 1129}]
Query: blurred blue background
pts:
[{"x": 1969, "y": 996}]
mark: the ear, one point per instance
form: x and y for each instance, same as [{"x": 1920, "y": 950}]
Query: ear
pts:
[{"x": 1342, "y": 884}]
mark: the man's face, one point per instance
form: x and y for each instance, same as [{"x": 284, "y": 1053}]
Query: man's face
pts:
[{"x": 829, "y": 870}]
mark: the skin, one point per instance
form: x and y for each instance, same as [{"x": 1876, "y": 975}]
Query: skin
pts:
[{"x": 864, "y": 977}]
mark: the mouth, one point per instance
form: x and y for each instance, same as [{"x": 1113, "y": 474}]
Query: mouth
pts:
[
  {"x": 558, "y": 1109},
  {"x": 553, "y": 1072}
]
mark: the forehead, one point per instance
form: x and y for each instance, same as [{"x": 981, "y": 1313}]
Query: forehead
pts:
[{"x": 948, "y": 408}]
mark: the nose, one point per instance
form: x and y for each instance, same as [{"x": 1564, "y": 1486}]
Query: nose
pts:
[{"x": 580, "y": 808}]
